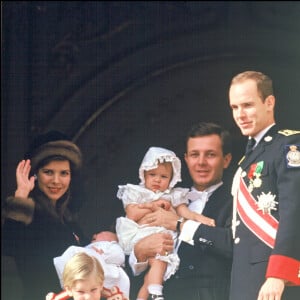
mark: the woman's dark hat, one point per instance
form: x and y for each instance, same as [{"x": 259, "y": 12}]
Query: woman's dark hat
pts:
[{"x": 54, "y": 143}]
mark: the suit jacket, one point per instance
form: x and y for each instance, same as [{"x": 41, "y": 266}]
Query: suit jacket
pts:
[
  {"x": 204, "y": 271},
  {"x": 253, "y": 260}
]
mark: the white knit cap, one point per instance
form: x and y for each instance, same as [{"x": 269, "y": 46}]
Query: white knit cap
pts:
[{"x": 156, "y": 155}]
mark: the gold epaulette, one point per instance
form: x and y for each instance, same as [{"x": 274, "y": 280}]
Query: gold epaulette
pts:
[{"x": 288, "y": 132}]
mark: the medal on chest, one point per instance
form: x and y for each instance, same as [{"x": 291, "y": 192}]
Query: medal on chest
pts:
[
  {"x": 266, "y": 203},
  {"x": 254, "y": 175}
]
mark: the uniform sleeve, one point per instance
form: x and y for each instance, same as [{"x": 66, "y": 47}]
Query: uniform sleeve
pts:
[
  {"x": 284, "y": 261},
  {"x": 284, "y": 267}
]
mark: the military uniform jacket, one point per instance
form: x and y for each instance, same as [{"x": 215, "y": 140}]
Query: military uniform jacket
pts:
[
  {"x": 204, "y": 271},
  {"x": 271, "y": 176}
]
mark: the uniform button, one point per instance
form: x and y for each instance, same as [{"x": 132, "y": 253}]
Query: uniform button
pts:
[
  {"x": 191, "y": 267},
  {"x": 237, "y": 240},
  {"x": 238, "y": 222}
]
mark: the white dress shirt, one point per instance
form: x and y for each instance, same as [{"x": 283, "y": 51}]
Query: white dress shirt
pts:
[{"x": 198, "y": 202}]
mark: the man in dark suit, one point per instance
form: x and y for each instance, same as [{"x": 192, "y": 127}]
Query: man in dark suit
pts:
[
  {"x": 205, "y": 252},
  {"x": 266, "y": 218}
]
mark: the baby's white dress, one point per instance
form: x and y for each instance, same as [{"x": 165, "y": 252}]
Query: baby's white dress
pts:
[{"x": 129, "y": 232}]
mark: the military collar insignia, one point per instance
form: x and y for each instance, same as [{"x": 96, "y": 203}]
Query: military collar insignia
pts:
[
  {"x": 268, "y": 139},
  {"x": 266, "y": 203}
]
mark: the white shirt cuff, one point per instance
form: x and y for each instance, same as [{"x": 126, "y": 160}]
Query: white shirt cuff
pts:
[{"x": 188, "y": 230}]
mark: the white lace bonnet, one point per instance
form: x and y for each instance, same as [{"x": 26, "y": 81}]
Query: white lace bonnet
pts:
[{"x": 157, "y": 155}]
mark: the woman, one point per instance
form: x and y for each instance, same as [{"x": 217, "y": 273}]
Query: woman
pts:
[{"x": 38, "y": 223}]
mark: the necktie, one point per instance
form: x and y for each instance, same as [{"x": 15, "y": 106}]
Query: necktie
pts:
[{"x": 250, "y": 145}]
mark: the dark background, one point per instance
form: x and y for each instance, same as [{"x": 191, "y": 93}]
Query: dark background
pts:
[{"x": 121, "y": 76}]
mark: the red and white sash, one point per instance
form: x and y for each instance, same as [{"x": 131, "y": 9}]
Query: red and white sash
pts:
[{"x": 263, "y": 225}]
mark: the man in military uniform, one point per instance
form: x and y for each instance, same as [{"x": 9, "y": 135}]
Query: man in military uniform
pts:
[{"x": 266, "y": 190}]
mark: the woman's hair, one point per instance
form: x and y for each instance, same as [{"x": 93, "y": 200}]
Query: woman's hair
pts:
[{"x": 80, "y": 267}]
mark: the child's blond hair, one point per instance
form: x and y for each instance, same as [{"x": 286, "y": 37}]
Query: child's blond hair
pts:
[{"x": 80, "y": 267}]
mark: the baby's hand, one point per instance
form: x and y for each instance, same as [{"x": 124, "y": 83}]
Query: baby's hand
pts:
[
  {"x": 205, "y": 220},
  {"x": 100, "y": 251},
  {"x": 165, "y": 204}
]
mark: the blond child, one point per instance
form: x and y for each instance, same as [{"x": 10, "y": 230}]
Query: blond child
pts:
[
  {"x": 83, "y": 278},
  {"x": 106, "y": 249}
]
